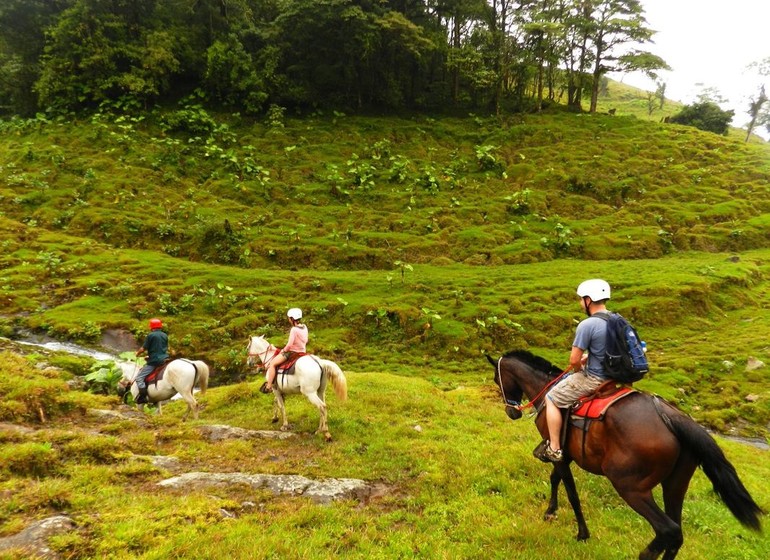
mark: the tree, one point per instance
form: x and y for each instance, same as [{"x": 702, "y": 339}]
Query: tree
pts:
[
  {"x": 104, "y": 49},
  {"x": 616, "y": 23},
  {"x": 756, "y": 105},
  {"x": 705, "y": 115},
  {"x": 660, "y": 93},
  {"x": 23, "y": 24}
]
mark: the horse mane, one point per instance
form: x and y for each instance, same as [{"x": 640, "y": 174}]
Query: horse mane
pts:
[{"x": 535, "y": 362}]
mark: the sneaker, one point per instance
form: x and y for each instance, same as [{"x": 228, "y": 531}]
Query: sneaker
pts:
[{"x": 551, "y": 455}]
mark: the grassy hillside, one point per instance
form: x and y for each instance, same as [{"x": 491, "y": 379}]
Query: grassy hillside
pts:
[
  {"x": 455, "y": 478},
  {"x": 404, "y": 239},
  {"x": 415, "y": 245}
]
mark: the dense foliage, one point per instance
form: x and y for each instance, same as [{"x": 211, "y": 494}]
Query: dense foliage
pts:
[
  {"x": 705, "y": 116},
  {"x": 250, "y": 54}
]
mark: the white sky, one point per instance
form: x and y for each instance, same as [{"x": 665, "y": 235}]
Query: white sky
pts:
[{"x": 708, "y": 43}]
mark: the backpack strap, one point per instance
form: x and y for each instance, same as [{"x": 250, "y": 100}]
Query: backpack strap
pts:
[{"x": 603, "y": 315}]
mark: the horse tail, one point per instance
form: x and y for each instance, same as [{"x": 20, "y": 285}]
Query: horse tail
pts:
[
  {"x": 715, "y": 465},
  {"x": 203, "y": 376},
  {"x": 339, "y": 382}
]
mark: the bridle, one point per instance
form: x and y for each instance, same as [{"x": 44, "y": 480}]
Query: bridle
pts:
[
  {"x": 263, "y": 358},
  {"x": 516, "y": 405}
]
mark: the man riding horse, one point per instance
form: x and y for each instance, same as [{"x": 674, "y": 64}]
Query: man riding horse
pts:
[
  {"x": 156, "y": 346},
  {"x": 591, "y": 337}
]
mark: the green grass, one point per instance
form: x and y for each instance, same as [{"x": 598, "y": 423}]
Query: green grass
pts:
[
  {"x": 464, "y": 486},
  {"x": 415, "y": 245}
]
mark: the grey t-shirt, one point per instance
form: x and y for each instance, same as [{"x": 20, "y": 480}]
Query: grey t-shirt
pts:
[{"x": 591, "y": 335}]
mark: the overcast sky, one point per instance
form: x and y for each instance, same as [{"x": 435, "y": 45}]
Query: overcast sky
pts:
[{"x": 708, "y": 43}]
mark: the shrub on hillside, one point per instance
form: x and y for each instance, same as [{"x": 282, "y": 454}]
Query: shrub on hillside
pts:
[{"x": 705, "y": 116}]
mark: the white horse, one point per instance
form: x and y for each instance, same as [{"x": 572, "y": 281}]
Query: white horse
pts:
[
  {"x": 309, "y": 378},
  {"x": 180, "y": 377}
]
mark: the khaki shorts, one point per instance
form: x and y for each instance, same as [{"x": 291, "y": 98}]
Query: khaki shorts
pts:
[{"x": 572, "y": 388}]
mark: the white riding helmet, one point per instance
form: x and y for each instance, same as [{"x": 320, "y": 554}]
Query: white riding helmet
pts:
[
  {"x": 596, "y": 289},
  {"x": 295, "y": 313}
]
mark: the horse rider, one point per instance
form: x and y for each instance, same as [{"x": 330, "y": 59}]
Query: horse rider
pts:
[
  {"x": 588, "y": 370},
  {"x": 298, "y": 336},
  {"x": 156, "y": 346}
]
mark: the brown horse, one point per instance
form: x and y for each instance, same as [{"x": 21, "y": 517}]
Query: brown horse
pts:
[{"x": 642, "y": 441}]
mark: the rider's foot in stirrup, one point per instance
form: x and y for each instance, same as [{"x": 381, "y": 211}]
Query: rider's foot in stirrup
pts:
[
  {"x": 265, "y": 388},
  {"x": 553, "y": 455}
]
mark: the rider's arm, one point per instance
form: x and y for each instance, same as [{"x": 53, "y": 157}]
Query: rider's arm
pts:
[{"x": 576, "y": 359}]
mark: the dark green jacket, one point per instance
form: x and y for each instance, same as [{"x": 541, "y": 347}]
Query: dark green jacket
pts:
[{"x": 156, "y": 345}]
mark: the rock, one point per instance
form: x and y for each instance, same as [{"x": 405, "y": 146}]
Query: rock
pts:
[
  {"x": 34, "y": 539},
  {"x": 119, "y": 340},
  {"x": 418, "y": 428},
  {"x": 319, "y": 491},
  {"x": 752, "y": 363},
  {"x": 751, "y": 398},
  {"x": 728, "y": 365},
  {"x": 15, "y": 429},
  {"x": 219, "y": 432}
]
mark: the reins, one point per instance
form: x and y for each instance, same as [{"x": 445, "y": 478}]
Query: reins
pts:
[
  {"x": 265, "y": 361},
  {"x": 517, "y": 404}
]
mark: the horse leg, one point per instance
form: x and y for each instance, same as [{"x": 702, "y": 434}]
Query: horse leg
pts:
[
  {"x": 553, "y": 502},
  {"x": 192, "y": 405},
  {"x": 564, "y": 472},
  {"x": 321, "y": 405},
  {"x": 674, "y": 490},
  {"x": 668, "y": 534},
  {"x": 279, "y": 405}
]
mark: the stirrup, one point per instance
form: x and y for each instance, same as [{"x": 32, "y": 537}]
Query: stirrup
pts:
[{"x": 547, "y": 455}]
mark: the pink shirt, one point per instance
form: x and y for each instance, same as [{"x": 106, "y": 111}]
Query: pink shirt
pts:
[{"x": 297, "y": 339}]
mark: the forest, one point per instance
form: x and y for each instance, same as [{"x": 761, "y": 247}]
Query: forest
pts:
[{"x": 59, "y": 56}]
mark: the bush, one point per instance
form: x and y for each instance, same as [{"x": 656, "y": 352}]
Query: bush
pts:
[{"x": 705, "y": 116}]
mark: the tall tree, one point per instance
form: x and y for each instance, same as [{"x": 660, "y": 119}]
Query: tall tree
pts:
[
  {"x": 756, "y": 104},
  {"x": 23, "y": 24},
  {"x": 616, "y": 23},
  {"x": 758, "y": 111}
]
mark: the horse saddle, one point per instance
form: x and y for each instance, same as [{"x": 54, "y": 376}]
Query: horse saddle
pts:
[
  {"x": 595, "y": 405},
  {"x": 157, "y": 374},
  {"x": 287, "y": 368}
]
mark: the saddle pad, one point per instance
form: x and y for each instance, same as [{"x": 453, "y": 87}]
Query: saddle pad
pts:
[
  {"x": 286, "y": 367},
  {"x": 594, "y": 406},
  {"x": 157, "y": 374}
]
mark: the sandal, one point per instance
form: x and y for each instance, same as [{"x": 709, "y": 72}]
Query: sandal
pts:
[{"x": 265, "y": 389}]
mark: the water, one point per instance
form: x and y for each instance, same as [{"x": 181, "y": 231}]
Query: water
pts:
[{"x": 67, "y": 347}]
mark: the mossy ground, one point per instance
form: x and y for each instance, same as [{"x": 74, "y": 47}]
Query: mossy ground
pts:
[{"x": 415, "y": 245}]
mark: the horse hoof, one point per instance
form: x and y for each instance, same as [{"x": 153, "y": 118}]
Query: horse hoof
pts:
[
  {"x": 327, "y": 437},
  {"x": 274, "y": 420},
  {"x": 549, "y": 517},
  {"x": 284, "y": 428}
]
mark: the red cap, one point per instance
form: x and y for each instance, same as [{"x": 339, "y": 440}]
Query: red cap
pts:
[{"x": 155, "y": 324}]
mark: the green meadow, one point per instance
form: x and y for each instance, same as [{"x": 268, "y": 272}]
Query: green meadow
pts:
[{"x": 415, "y": 245}]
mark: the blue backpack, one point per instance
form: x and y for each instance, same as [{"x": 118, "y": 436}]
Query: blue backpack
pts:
[{"x": 625, "y": 360}]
